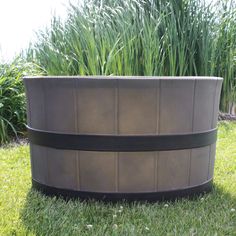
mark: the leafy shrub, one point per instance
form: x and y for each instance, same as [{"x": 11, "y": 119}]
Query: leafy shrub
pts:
[{"x": 12, "y": 98}]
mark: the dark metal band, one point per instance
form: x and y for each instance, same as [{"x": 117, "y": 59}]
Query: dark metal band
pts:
[
  {"x": 121, "y": 143},
  {"x": 115, "y": 197}
]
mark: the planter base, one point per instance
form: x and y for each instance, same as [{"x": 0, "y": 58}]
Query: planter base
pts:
[{"x": 129, "y": 197}]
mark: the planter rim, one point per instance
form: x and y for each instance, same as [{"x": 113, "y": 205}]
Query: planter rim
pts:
[{"x": 99, "y": 77}]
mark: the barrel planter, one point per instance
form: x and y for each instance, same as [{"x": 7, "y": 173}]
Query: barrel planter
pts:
[{"x": 113, "y": 138}]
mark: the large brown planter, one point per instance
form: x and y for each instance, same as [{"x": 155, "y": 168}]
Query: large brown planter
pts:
[{"x": 137, "y": 138}]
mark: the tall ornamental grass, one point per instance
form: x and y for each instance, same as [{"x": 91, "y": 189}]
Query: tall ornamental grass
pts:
[
  {"x": 12, "y": 98},
  {"x": 137, "y": 37}
]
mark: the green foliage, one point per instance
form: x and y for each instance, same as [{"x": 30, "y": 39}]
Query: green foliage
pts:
[
  {"x": 224, "y": 53},
  {"x": 24, "y": 211},
  {"x": 136, "y": 37},
  {"x": 12, "y": 98}
]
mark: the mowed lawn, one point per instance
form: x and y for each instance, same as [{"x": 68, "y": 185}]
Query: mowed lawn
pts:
[{"x": 24, "y": 211}]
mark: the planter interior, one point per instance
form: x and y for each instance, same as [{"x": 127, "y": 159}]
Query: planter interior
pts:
[{"x": 113, "y": 138}]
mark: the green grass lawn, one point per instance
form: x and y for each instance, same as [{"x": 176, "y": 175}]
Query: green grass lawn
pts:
[{"x": 24, "y": 211}]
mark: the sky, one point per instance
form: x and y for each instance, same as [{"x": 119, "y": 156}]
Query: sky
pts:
[{"x": 20, "y": 19}]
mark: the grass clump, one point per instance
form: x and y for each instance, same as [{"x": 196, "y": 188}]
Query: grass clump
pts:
[
  {"x": 136, "y": 37},
  {"x": 24, "y": 211}
]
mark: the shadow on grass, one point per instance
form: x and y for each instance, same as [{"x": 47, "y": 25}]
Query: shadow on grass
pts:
[{"x": 43, "y": 215}]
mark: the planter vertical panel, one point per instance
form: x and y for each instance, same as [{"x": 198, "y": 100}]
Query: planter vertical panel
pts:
[
  {"x": 212, "y": 161},
  {"x": 97, "y": 171},
  {"x": 214, "y": 124},
  {"x": 204, "y": 97},
  {"x": 96, "y": 111},
  {"x": 199, "y": 165},
  {"x": 36, "y": 119},
  {"x": 96, "y": 106},
  {"x": 176, "y": 106},
  {"x": 137, "y": 106},
  {"x": 137, "y": 114},
  {"x": 60, "y": 116},
  {"x": 136, "y": 172},
  {"x": 173, "y": 169},
  {"x": 205, "y": 94}
]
